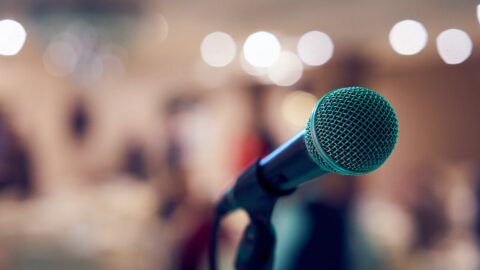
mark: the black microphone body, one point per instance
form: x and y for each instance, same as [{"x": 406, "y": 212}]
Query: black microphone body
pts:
[
  {"x": 275, "y": 175},
  {"x": 289, "y": 165}
]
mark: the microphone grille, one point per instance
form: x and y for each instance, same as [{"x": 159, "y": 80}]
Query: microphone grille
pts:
[{"x": 351, "y": 131}]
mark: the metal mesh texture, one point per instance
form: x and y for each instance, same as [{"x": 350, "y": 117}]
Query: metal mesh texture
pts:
[{"x": 351, "y": 131}]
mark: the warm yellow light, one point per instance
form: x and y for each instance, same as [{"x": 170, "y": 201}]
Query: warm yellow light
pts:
[{"x": 296, "y": 107}]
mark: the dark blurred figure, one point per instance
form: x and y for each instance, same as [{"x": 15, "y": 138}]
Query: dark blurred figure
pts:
[
  {"x": 15, "y": 164},
  {"x": 174, "y": 159},
  {"x": 477, "y": 204},
  {"x": 79, "y": 120},
  {"x": 194, "y": 249},
  {"x": 135, "y": 163},
  {"x": 428, "y": 207},
  {"x": 357, "y": 69},
  {"x": 327, "y": 242},
  {"x": 421, "y": 195},
  {"x": 255, "y": 143},
  {"x": 178, "y": 207}
]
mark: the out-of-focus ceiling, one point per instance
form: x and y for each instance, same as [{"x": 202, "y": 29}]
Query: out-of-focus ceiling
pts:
[
  {"x": 165, "y": 36},
  {"x": 351, "y": 24},
  {"x": 346, "y": 18},
  {"x": 343, "y": 19},
  {"x": 350, "y": 20}
]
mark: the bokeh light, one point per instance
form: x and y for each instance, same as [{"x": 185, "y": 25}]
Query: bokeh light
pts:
[
  {"x": 162, "y": 25},
  {"x": 454, "y": 46},
  {"x": 478, "y": 13},
  {"x": 252, "y": 70},
  {"x": 315, "y": 48},
  {"x": 62, "y": 54},
  {"x": 296, "y": 107},
  {"x": 218, "y": 49},
  {"x": 12, "y": 37},
  {"x": 113, "y": 58},
  {"x": 408, "y": 37},
  {"x": 287, "y": 70},
  {"x": 261, "y": 49}
]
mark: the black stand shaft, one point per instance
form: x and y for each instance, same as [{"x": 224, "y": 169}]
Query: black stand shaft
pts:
[
  {"x": 256, "y": 250},
  {"x": 258, "y": 198}
]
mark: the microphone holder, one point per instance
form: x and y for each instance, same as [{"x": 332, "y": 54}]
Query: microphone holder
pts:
[
  {"x": 256, "y": 250},
  {"x": 257, "y": 247}
]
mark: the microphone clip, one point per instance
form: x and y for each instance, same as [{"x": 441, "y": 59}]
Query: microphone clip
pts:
[
  {"x": 256, "y": 249},
  {"x": 252, "y": 193}
]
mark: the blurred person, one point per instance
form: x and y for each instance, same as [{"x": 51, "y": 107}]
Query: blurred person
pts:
[
  {"x": 15, "y": 162},
  {"x": 357, "y": 68},
  {"x": 189, "y": 216},
  {"x": 405, "y": 227},
  {"x": 327, "y": 237},
  {"x": 135, "y": 163},
  {"x": 410, "y": 221},
  {"x": 380, "y": 234},
  {"x": 253, "y": 144},
  {"x": 460, "y": 247},
  {"x": 438, "y": 199},
  {"x": 476, "y": 190},
  {"x": 426, "y": 201},
  {"x": 174, "y": 162},
  {"x": 257, "y": 140},
  {"x": 79, "y": 120}
]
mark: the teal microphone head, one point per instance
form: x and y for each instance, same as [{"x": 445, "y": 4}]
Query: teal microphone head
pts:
[{"x": 351, "y": 131}]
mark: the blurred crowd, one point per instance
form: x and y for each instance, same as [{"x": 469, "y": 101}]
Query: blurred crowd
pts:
[
  {"x": 152, "y": 209},
  {"x": 116, "y": 140}
]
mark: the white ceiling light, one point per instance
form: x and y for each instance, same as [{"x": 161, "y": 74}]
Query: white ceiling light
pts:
[
  {"x": 454, "y": 46},
  {"x": 408, "y": 37},
  {"x": 12, "y": 37},
  {"x": 287, "y": 70},
  {"x": 218, "y": 49},
  {"x": 261, "y": 49},
  {"x": 315, "y": 48}
]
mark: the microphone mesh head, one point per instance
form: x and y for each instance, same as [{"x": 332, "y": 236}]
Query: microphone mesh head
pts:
[{"x": 351, "y": 131}]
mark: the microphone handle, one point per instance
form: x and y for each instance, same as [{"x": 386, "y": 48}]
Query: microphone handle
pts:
[
  {"x": 289, "y": 165},
  {"x": 250, "y": 192},
  {"x": 276, "y": 175}
]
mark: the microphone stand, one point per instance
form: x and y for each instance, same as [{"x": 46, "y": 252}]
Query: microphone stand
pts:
[{"x": 256, "y": 249}]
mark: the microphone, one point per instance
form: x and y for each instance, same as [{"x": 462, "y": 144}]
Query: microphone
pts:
[{"x": 351, "y": 131}]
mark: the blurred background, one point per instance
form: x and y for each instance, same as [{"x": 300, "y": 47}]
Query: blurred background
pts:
[{"x": 122, "y": 121}]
